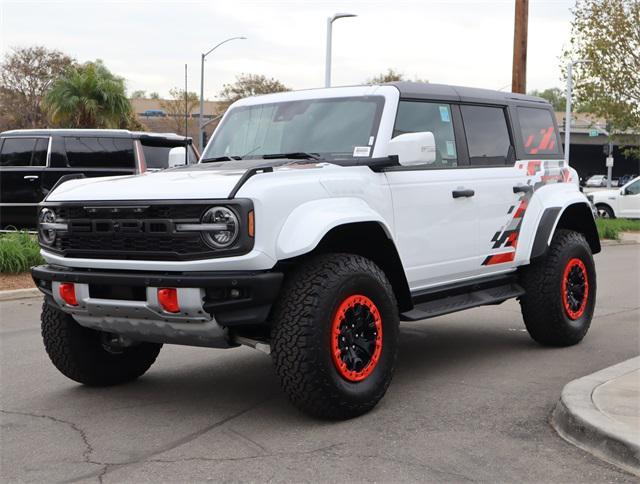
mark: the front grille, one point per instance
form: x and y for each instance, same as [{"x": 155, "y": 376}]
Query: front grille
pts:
[{"x": 139, "y": 231}]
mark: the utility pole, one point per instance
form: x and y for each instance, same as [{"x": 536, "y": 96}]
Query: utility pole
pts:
[
  {"x": 186, "y": 117},
  {"x": 519, "y": 72},
  {"x": 567, "y": 116}
]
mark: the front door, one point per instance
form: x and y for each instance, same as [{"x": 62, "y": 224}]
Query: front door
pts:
[
  {"x": 434, "y": 212},
  {"x": 629, "y": 201}
]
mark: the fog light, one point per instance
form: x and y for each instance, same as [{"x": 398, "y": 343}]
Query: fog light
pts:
[
  {"x": 68, "y": 293},
  {"x": 168, "y": 299}
]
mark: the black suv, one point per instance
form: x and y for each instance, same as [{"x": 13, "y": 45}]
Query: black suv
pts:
[{"x": 32, "y": 161}]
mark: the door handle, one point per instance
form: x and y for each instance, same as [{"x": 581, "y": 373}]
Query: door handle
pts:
[
  {"x": 463, "y": 192},
  {"x": 522, "y": 189},
  {"x": 31, "y": 177}
]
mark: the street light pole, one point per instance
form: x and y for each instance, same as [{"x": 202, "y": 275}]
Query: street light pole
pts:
[
  {"x": 202, "y": 59},
  {"x": 327, "y": 65},
  {"x": 567, "y": 115}
]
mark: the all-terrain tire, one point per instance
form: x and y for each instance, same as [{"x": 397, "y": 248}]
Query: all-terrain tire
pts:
[
  {"x": 553, "y": 311},
  {"x": 305, "y": 320},
  {"x": 80, "y": 355}
]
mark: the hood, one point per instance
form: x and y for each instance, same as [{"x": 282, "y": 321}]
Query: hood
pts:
[
  {"x": 602, "y": 194},
  {"x": 163, "y": 185},
  {"x": 200, "y": 181}
]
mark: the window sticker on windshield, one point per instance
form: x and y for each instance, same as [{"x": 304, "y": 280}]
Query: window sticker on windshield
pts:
[
  {"x": 444, "y": 114},
  {"x": 371, "y": 138},
  {"x": 361, "y": 151},
  {"x": 451, "y": 149}
]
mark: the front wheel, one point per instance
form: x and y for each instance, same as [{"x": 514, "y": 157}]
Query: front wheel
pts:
[
  {"x": 335, "y": 336},
  {"x": 604, "y": 211},
  {"x": 86, "y": 356},
  {"x": 560, "y": 291}
]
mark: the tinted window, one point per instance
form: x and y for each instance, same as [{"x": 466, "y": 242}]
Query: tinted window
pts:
[
  {"x": 40, "y": 152},
  {"x": 100, "y": 152},
  {"x": 158, "y": 156},
  {"x": 538, "y": 131},
  {"x": 416, "y": 116},
  {"x": 17, "y": 151},
  {"x": 487, "y": 135}
]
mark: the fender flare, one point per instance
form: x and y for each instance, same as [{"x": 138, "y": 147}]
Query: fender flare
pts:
[
  {"x": 551, "y": 218},
  {"x": 308, "y": 223}
]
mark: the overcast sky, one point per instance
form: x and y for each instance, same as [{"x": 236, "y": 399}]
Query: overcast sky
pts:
[{"x": 148, "y": 42}]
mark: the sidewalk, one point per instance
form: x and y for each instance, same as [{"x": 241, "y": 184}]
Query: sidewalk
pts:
[{"x": 600, "y": 413}]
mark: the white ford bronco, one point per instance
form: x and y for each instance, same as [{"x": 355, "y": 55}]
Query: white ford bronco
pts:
[{"x": 314, "y": 223}]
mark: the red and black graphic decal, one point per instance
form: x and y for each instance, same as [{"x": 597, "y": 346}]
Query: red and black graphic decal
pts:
[{"x": 540, "y": 173}]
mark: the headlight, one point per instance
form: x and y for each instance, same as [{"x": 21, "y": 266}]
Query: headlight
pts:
[
  {"x": 220, "y": 227},
  {"x": 46, "y": 222}
]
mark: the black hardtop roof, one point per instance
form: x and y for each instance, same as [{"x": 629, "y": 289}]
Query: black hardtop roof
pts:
[
  {"x": 107, "y": 133},
  {"x": 444, "y": 92}
]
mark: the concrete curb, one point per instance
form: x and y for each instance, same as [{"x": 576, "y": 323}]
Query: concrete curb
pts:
[
  {"x": 612, "y": 242},
  {"x": 19, "y": 294},
  {"x": 577, "y": 419}
]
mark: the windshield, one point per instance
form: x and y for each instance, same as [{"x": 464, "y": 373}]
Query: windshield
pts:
[{"x": 336, "y": 128}]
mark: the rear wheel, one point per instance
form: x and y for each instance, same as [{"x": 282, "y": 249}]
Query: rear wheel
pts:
[
  {"x": 335, "y": 336},
  {"x": 560, "y": 291},
  {"x": 89, "y": 356}
]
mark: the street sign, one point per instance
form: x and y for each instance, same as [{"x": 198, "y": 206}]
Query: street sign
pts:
[
  {"x": 593, "y": 133},
  {"x": 609, "y": 161}
]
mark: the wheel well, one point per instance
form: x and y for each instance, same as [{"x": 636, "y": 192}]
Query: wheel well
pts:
[
  {"x": 369, "y": 240},
  {"x": 579, "y": 218}
]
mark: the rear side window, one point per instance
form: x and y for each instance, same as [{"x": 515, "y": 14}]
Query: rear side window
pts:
[
  {"x": 538, "y": 131},
  {"x": 415, "y": 116},
  {"x": 24, "y": 152},
  {"x": 83, "y": 152},
  {"x": 487, "y": 135}
]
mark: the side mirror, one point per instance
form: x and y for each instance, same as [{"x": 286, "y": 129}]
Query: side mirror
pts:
[
  {"x": 413, "y": 148},
  {"x": 623, "y": 192},
  {"x": 177, "y": 156}
]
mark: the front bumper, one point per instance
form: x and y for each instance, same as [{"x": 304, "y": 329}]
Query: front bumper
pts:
[{"x": 125, "y": 302}]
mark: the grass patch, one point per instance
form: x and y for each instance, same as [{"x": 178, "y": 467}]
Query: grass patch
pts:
[
  {"x": 610, "y": 228},
  {"x": 19, "y": 251}
]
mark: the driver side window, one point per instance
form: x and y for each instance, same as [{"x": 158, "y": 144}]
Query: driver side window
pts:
[
  {"x": 417, "y": 116},
  {"x": 633, "y": 189}
]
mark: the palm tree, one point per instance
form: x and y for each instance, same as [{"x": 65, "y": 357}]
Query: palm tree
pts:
[{"x": 89, "y": 96}]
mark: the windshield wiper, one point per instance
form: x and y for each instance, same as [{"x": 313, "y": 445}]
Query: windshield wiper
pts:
[
  {"x": 297, "y": 155},
  {"x": 220, "y": 158}
]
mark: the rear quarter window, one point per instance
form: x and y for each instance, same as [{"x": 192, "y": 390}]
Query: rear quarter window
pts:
[
  {"x": 98, "y": 152},
  {"x": 538, "y": 131}
]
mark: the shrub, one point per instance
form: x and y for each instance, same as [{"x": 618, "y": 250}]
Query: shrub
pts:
[
  {"x": 19, "y": 251},
  {"x": 610, "y": 228}
]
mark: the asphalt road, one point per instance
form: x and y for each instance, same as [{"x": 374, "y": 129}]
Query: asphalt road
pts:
[{"x": 470, "y": 401}]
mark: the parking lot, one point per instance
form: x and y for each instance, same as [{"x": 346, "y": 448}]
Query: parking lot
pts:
[{"x": 470, "y": 401}]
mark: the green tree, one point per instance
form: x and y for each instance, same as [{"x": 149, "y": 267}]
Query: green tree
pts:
[
  {"x": 390, "y": 76},
  {"x": 139, "y": 94},
  {"x": 175, "y": 107},
  {"x": 250, "y": 85},
  {"x": 607, "y": 34},
  {"x": 554, "y": 95},
  {"x": 25, "y": 76},
  {"x": 89, "y": 96},
  {"x": 154, "y": 95}
]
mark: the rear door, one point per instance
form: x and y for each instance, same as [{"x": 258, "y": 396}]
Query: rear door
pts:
[
  {"x": 22, "y": 166},
  {"x": 495, "y": 134},
  {"x": 93, "y": 156}
]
